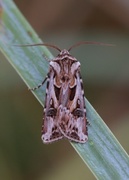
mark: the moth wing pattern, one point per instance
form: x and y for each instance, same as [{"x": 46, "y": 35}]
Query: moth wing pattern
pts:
[
  {"x": 72, "y": 119},
  {"x": 50, "y": 130},
  {"x": 64, "y": 111}
]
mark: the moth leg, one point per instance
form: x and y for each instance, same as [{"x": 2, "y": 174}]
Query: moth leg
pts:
[{"x": 37, "y": 87}]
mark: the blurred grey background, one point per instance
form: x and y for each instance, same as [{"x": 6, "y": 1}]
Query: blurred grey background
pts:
[{"x": 105, "y": 72}]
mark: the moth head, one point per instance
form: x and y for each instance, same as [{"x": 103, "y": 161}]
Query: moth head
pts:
[{"x": 64, "y": 54}]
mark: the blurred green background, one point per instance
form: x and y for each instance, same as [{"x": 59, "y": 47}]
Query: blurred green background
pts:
[{"x": 105, "y": 72}]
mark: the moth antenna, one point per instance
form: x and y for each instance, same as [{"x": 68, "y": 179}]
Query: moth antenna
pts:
[
  {"x": 39, "y": 44},
  {"x": 89, "y": 42}
]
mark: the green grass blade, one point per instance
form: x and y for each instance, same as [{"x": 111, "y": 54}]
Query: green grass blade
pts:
[{"x": 102, "y": 153}]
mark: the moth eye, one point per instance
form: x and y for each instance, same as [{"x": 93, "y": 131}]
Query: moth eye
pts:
[
  {"x": 51, "y": 112},
  {"x": 78, "y": 112}
]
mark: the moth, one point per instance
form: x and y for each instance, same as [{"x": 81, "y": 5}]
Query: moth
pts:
[{"x": 65, "y": 109}]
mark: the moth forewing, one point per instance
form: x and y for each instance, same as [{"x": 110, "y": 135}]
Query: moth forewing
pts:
[
  {"x": 50, "y": 130},
  {"x": 73, "y": 116}
]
